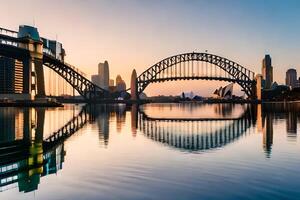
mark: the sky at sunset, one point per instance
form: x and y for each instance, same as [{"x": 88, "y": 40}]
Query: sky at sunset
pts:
[{"x": 138, "y": 33}]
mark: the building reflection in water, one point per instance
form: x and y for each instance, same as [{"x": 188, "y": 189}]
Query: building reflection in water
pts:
[
  {"x": 267, "y": 114},
  {"x": 268, "y": 133},
  {"x": 120, "y": 111},
  {"x": 264, "y": 125},
  {"x": 23, "y": 156},
  {"x": 134, "y": 119},
  {"x": 26, "y": 156},
  {"x": 224, "y": 110},
  {"x": 291, "y": 124},
  {"x": 102, "y": 115}
]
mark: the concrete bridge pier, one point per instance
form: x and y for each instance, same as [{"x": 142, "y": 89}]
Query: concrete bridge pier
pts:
[
  {"x": 34, "y": 62},
  {"x": 33, "y": 66},
  {"x": 40, "y": 79},
  {"x": 133, "y": 84},
  {"x": 258, "y": 87},
  {"x": 134, "y": 119}
]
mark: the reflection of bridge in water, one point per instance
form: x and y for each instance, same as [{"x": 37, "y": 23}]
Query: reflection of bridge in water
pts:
[
  {"x": 24, "y": 161},
  {"x": 195, "y": 134}
]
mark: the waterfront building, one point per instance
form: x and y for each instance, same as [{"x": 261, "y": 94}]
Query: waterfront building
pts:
[
  {"x": 189, "y": 95},
  {"x": 291, "y": 78},
  {"x": 298, "y": 83},
  {"x": 120, "y": 84},
  {"x": 224, "y": 92},
  {"x": 103, "y": 72},
  {"x": 267, "y": 71},
  {"x": 118, "y": 79},
  {"x": 55, "y": 47},
  {"x": 11, "y": 76}
]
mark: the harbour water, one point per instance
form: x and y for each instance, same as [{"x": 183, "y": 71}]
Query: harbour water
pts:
[{"x": 155, "y": 151}]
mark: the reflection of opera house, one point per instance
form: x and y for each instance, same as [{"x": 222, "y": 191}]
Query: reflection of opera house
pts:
[{"x": 224, "y": 92}]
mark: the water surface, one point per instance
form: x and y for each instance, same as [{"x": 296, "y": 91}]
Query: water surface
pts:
[{"x": 156, "y": 151}]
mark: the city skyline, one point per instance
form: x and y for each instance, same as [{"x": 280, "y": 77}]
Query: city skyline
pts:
[
  {"x": 136, "y": 34},
  {"x": 150, "y": 99}
]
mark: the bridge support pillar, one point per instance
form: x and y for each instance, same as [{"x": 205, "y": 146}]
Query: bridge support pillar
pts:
[
  {"x": 35, "y": 62},
  {"x": 27, "y": 131},
  {"x": 40, "y": 79},
  {"x": 133, "y": 85},
  {"x": 258, "y": 79},
  {"x": 40, "y": 121},
  {"x": 134, "y": 119}
]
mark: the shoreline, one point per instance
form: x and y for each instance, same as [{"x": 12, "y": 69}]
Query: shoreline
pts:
[{"x": 140, "y": 102}]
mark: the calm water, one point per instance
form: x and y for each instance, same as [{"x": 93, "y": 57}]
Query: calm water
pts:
[{"x": 156, "y": 151}]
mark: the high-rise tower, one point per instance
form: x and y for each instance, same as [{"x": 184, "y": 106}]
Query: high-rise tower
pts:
[
  {"x": 267, "y": 71},
  {"x": 291, "y": 78},
  {"x": 103, "y": 72}
]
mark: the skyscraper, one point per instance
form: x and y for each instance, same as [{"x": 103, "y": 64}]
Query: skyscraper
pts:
[
  {"x": 96, "y": 80},
  {"x": 267, "y": 71},
  {"x": 118, "y": 79},
  {"x": 120, "y": 84},
  {"x": 103, "y": 72},
  {"x": 291, "y": 78}
]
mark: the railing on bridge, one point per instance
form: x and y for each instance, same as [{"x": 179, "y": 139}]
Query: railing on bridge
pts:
[
  {"x": 8, "y": 40},
  {"x": 7, "y": 32}
]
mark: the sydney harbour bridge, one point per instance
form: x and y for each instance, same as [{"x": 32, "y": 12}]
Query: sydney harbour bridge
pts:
[{"x": 187, "y": 66}]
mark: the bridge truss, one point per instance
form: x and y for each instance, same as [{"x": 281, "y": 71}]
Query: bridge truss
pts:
[{"x": 197, "y": 66}]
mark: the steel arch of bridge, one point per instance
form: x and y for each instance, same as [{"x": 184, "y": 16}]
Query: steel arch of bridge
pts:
[
  {"x": 175, "y": 68},
  {"x": 81, "y": 84},
  {"x": 10, "y": 47}
]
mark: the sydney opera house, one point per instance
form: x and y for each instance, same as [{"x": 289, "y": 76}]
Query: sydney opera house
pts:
[{"x": 224, "y": 92}]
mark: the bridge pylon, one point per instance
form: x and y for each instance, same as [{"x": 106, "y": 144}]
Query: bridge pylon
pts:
[
  {"x": 32, "y": 42},
  {"x": 258, "y": 87},
  {"x": 133, "y": 84}
]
